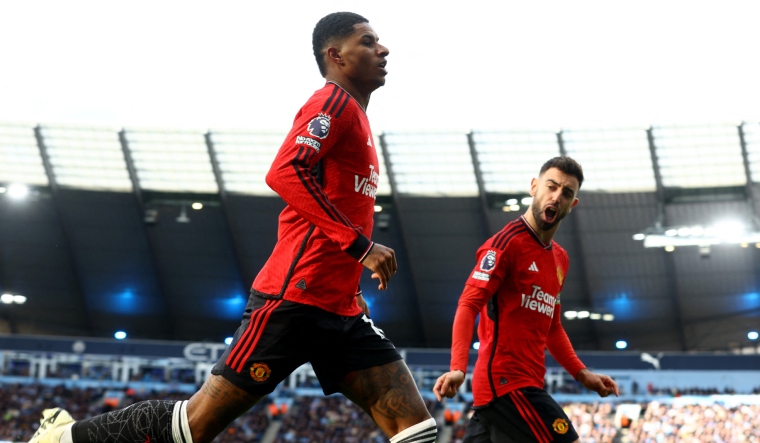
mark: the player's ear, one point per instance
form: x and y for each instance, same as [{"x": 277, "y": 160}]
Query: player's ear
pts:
[
  {"x": 333, "y": 55},
  {"x": 533, "y": 186},
  {"x": 575, "y": 203}
]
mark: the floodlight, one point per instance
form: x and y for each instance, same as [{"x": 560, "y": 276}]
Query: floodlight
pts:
[
  {"x": 515, "y": 207},
  {"x": 18, "y": 191},
  {"x": 6, "y": 298},
  {"x": 595, "y": 316},
  {"x": 725, "y": 232},
  {"x": 697, "y": 231},
  {"x": 228, "y": 341},
  {"x": 752, "y": 335},
  {"x": 583, "y": 314},
  {"x": 120, "y": 335},
  {"x": 476, "y": 345},
  {"x": 621, "y": 344},
  {"x": 378, "y": 208},
  {"x": 511, "y": 201},
  {"x": 608, "y": 317},
  {"x": 197, "y": 206},
  {"x": 19, "y": 299},
  {"x": 527, "y": 201},
  {"x": 571, "y": 314}
]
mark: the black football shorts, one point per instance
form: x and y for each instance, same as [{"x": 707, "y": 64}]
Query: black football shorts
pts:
[
  {"x": 277, "y": 336},
  {"x": 523, "y": 415}
]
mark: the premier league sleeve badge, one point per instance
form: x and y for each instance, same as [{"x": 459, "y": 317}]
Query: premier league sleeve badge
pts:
[{"x": 319, "y": 126}]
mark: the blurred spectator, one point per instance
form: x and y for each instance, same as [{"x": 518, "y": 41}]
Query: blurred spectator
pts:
[
  {"x": 332, "y": 419},
  {"x": 697, "y": 423},
  {"x": 21, "y": 408}
]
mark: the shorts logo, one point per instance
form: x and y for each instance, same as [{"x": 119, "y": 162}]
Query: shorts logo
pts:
[
  {"x": 560, "y": 426},
  {"x": 319, "y": 126},
  {"x": 488, "y": 262},
  {"x": 260, "y": 371}
]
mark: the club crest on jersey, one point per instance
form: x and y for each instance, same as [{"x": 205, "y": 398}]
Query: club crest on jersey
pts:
[
  {"x": 260, "y": 371},
  {"x": 488, "y": 262},
  {"x": 560, "y": 426},
  {"x": 319, "y": 126}
]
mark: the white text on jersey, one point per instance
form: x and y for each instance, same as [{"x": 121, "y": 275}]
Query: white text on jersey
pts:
[
  {"x": 367, "y": 185},
  {"x": 540, "y": 301}
]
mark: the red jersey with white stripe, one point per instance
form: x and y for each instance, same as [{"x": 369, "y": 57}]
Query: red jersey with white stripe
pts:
[
  {"x": 327, "y": 172},
  {"x": 521, "y": 278}
]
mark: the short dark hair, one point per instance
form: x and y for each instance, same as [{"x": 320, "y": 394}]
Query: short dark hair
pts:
[
  {"x": 329, "y": 28},
  {"x": 566, "y": 165}
]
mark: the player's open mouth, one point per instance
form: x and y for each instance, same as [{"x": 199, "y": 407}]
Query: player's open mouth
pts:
[{"x": 550, "y": 214}]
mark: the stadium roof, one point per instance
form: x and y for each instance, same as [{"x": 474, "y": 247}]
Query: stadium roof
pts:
[{"x": 107, "y": 237}]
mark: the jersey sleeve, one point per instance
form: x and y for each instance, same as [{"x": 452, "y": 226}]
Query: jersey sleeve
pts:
[
  {"x": 490, "y": 268},
  {"x": 295, "y": 177},
  {"x": 470, "y": 303}
]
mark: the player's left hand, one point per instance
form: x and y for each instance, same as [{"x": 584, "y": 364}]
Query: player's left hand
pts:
[
  {"x": 448, "y": 384},
  {"x": 381, "y": 260},
  {"x": 602, "y": 384},
  {"x": 362, "y": 304}
]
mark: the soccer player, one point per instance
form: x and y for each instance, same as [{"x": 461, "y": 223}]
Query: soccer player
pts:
[
  {"x": 304, "y": 304},
  {"x": 516, "y": 287}
]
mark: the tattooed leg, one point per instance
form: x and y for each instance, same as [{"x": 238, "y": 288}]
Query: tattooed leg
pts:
[
  {"x": 215, "y": 406},
  {"x": 388, "y": 394}
]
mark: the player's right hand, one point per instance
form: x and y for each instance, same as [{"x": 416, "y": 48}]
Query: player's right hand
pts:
[
  {"x": 448, "y": 384},
  {"x": 381, "y": 260}
]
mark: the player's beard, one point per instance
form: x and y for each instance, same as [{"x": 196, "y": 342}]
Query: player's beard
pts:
[{"x": 538, "y": 216}]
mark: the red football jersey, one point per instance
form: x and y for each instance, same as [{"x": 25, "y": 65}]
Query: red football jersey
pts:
[
  {"x": 327, "y": 172},
  {"x": 522, "y": 279}
]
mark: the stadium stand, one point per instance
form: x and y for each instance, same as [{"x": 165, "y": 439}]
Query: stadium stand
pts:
[
  {"x": 22, "y": 406},
  {"x": 670, "y": 404},
  {"x": 132, "y": 250}
]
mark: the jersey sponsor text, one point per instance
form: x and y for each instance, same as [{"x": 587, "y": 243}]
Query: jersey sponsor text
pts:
[
  {"x": 367, "y": 185},
  {"x": 540, "y": 301}
]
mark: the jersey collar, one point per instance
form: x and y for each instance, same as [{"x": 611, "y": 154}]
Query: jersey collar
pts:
[
  {"x": 352, "y": 97},
  {"x": 534, "y": 234}
]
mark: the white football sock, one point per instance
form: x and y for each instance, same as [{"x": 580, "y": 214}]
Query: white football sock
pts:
[
  {"x": 180, "y": 423},
  {"x": 424, "y": 432}
]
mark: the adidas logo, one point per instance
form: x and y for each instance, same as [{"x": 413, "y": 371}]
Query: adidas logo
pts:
[
  {"x": 301, "y": 284},
  {"x": 533, "y": 267}
]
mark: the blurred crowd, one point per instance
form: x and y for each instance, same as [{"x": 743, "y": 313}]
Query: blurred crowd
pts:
[
  {"x": 663, "y": 423},
  {"x": 21, "y": 407},
  {"x": 335, "y": 419},
  {"x": 332, "y": 419}
]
